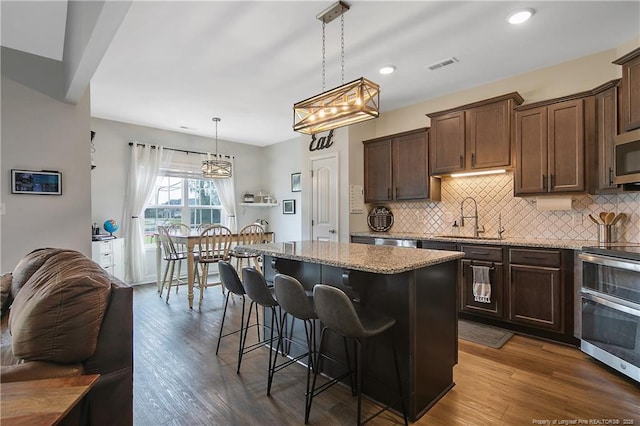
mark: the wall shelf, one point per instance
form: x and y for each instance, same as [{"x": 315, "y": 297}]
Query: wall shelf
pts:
[{"x": 259, "y": 204}]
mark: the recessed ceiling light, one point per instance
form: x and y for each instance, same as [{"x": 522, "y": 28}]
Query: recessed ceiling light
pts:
[
  {"x": 520, "y": 16},
  {"x": 387, "y": 69}
]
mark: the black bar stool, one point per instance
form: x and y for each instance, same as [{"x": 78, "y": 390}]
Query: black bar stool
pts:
[
  {"x": 231, "y": 281},
  {"x": 338, "y": 314},
  {"x": 294, "y": 300},
  {"x": 260, "y": 294}
]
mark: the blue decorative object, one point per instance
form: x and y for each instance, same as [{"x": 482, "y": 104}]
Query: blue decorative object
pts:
[{"x": 110, "y": 226}]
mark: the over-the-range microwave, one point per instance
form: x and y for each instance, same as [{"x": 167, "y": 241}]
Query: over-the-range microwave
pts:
[{"x": 627, "y": 159}]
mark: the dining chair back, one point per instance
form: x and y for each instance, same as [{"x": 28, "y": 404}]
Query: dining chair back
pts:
[
  {"x": 250, "y": 234},
  {"x": 213, "y": 246},
  {"x": 171, "y": 255}
]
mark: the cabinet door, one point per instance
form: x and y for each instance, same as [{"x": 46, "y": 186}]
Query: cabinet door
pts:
[
  {"x": 467, "y": 300},
  {"x": 566, "y": 146},
  {"x": 607, "y": 129},
  {"x": 631, "y": 94},
  {"x": 377, "y": 171},
  {"x": 410, "y": 168},
  {"x": 447, "y": 143},
  {"x": 535, "y": 296},
  {"x": 531, "y": 151},
  {"x": 489, "y": 136}
]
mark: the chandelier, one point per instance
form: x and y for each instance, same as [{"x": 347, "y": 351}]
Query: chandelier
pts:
[
  {"x": 218, "y": 167},
  {"x": 347, "y": 104}
]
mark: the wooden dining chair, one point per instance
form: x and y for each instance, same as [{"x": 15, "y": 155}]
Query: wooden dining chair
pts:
[
  {"x": 214, "y": 245},
  {"x": 250, "y": 234},
  {"x": 171, "y": 255}
]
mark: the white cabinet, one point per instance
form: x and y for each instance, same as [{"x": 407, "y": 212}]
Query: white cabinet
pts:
[{"x": 110, "y": 255}]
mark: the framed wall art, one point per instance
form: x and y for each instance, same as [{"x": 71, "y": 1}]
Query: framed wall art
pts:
[
  {"x": 288, "y": 206},
  {"x": 38, "y": 183},
  {"x": 296, "y": 185}
]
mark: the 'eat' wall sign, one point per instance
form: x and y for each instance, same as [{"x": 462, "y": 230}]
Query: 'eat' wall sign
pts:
[{"x": 321, "y": 143}]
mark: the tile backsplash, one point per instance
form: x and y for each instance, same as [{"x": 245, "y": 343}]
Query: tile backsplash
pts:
[{"x": 520, "y": 217}]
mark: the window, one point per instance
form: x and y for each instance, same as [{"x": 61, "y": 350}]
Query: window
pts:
[{"x": 181, "y": 200}]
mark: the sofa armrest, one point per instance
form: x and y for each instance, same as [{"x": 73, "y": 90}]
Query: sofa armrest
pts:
[{"x": 35, "y": 370}]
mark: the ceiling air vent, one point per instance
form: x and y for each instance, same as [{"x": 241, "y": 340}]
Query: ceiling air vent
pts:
[{"x": 442, "y": 63}]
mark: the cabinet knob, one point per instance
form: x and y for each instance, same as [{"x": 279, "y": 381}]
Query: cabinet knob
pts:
[
  {"x": 332, "y": 231},
  {"x": 473, "y": 158},
  {"x": 461, "y": 161},
  {"x": 544, "y": 182}
]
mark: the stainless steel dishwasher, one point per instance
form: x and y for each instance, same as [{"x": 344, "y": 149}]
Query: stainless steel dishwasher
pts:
[{"x": 395, "y": 242}]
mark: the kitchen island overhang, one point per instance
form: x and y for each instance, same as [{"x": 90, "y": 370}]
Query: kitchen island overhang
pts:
[{"x": 417, "y": 287}]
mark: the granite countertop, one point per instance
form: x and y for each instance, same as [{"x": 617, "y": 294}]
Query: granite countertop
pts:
[
  {"x": 508, "y": 241},
  {"x": 359, "y": 257}
]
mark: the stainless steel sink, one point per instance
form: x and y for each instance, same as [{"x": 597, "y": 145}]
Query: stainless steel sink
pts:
[{"x": 467, "y": 237}]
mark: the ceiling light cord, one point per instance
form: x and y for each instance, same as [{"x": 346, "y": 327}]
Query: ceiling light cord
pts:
[
  {"x": 342, "y": 46},
  {"x": 323, "y": 58}
]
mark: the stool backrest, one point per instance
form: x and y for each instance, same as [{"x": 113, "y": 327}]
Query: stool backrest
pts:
[
  {"x": 292, "y": 297},
  {"x": 336, "y": 311},
  {"x": 230, "y": 278},
  {"x": 256, "y": 287},
  {"x": 215, "y": 243}
]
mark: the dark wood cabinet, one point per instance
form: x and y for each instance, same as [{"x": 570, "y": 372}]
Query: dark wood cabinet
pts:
[
  {"x": 536, "y": 288},
  {"x": 396, "y": 167},
  {"x": 607, "y": 97},
  {"x": 630, "y": 90},
  {"x": 550, "y": 147},
  {"x": 447, "y": 143},
  {"x": 482, "y": 256},
  {"x": 472, "y": 137}
]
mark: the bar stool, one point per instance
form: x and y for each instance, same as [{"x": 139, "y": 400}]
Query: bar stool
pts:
[
  {"x": 260, "y": 294},
  {"x": 295, "y": 301},
  {"x": 339, "y": 315},
  {"x": 231, "y": 281}
]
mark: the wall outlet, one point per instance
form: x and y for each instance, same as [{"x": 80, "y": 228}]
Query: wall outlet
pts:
[{"x": 577, "y": 218}]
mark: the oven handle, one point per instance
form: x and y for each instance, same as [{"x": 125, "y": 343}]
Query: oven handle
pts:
[
  {"x": 613, "y": 303},
  {"x": 613, "y": 262}
]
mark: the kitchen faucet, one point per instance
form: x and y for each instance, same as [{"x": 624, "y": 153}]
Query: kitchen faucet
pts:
[{"x": 476, "y": 229}]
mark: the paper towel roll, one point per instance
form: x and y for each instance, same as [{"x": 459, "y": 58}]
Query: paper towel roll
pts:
[{"x": 560, "y": 202}]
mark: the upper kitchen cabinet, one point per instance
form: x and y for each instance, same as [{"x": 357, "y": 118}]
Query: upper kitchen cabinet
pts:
[
  {"x": 551, "y": 137},
  {"x": 473, "y": 137},
  {"x": 607, "y": 98},
  {"x": 396, "y": 168},
  {"x": 630, "y": 90}
]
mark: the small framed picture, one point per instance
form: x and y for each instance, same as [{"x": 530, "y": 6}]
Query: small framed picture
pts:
[
  {"x": 33, "y": 182},
  {"x": 288, "y": 206},
  {"x": 295, "y": 182}
]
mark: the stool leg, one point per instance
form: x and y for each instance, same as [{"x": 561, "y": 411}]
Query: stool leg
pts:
[
  {"x": 309, "y": 330},
  {"x": 224, "y": 315},
  {"x": 173, "y": 265},
  {"x": 270, "y": 372},
  {"x": 359, "y": 378},
  {"x": 246, "y": 331},
  {"x": 395, "y": 361},
  {"x": 315, "y": 376}
]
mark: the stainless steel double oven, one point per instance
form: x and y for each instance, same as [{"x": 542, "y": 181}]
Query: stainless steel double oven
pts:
[{"x": 610, "y": 300}]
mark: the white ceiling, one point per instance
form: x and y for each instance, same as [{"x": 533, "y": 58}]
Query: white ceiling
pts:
[{"x": 175, "y": 64}]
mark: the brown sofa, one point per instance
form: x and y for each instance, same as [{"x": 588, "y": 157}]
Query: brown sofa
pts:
[{"x": 63, "y": 315}]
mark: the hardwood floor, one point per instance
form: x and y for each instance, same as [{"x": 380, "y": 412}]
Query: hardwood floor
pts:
[{"x": 178, "y": 379}]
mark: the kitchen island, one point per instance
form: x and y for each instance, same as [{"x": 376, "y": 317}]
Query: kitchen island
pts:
[{"x": 417, "y": 287}]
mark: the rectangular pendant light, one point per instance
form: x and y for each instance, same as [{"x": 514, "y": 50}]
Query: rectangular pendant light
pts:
[{"x": 350, "y": 103}]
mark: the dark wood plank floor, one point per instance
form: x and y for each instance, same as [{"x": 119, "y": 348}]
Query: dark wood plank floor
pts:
[{"x": 178, "y": 379}]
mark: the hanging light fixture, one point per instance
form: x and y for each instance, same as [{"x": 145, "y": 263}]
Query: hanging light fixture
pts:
[
  {"x": 347, "y": 104},
  {"x": 218, "y": 167}
]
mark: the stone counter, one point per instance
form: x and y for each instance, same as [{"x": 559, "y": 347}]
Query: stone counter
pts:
[
  {"x": 357, "y": 257},
  {"x": 508, "y": 241}
]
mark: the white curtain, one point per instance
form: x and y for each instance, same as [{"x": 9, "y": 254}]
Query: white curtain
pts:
[
  {"x": 144, "y": 166},
  {"x": 227, "y": 193}
]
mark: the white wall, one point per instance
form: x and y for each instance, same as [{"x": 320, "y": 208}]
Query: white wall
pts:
[
  {"x": 40, "y": 132},
  {"x": 281, "y": 160}
]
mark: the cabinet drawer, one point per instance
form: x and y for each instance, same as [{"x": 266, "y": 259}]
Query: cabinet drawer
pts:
[
  {"x": 105, "y": 259},
  {"x": 106, "y": 247},
  {"x": 535, "y": 257},
  {"x": 492, "y": 254}
]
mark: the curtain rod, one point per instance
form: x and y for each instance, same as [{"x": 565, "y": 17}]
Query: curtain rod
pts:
[{"x": 176, "y": 149}]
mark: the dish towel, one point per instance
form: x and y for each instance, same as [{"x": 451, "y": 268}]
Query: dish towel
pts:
[{"x": 481, "y": 284}]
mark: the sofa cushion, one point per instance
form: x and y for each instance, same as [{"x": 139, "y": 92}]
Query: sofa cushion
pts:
[
  {"x": 5, "y": 293},
  {"x": 57, "y": 314},
  {"x": 28, "y": 265}
]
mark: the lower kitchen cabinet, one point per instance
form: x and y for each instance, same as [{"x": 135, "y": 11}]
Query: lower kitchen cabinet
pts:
[
  {"x": 536, "y": 288},
  {"x": 109, "y": 254},
  {"x": 467, "y": 300}
]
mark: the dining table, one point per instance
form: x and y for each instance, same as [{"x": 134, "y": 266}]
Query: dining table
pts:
[{"x": 190, "y": 241}]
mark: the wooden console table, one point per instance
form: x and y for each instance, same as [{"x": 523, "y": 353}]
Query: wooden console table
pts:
[{"x": 42, "y": 402}]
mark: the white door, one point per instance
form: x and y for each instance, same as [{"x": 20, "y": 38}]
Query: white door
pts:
[{"x": 324, "y": 198}]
